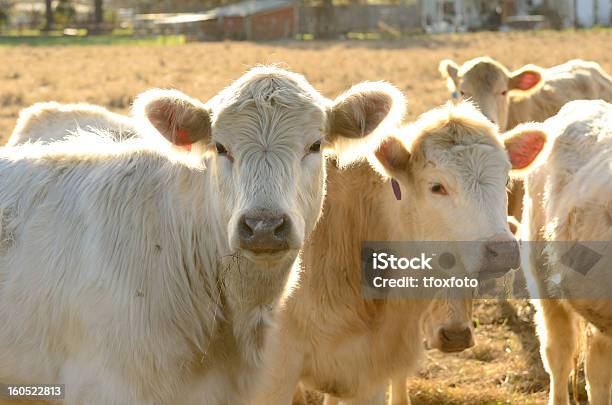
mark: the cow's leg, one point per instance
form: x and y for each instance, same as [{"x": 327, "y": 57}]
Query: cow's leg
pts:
[
  {"x": 399, "y": 393},
  {"x": 598, "y": 369},
  {"x": 559, "y": 331}
]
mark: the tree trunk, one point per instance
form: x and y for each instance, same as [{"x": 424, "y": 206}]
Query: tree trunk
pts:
[
  {"x": 99, "y": 11},
  {"x": 329, "y": 29},
  {"x": 48, "y": 15}
]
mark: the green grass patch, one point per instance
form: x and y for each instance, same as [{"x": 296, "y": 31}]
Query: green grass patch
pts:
[{"x": 57, "y": 39}]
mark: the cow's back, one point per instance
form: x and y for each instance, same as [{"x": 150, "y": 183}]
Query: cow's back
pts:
[{"x": 573, "y": 80}]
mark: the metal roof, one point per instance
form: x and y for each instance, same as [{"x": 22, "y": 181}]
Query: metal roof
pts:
[
  {"x": 249, "y": 7},
  {"x": 241, "y": 9}
]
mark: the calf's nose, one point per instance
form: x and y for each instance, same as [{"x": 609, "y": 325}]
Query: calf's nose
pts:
[
  {"x": 499, "y": 257},
  {"x": 455, "y": 339},
  {"x": 264, "y": 232}
]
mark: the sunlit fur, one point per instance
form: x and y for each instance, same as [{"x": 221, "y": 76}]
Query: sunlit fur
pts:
[
  {"x": 329, "y": 336},
  {"x": 483, "y": 80},
  {"x": 570, "y": 199},
  {"x": 51, "y": 121},
  {"x": 120, "y": 259}
]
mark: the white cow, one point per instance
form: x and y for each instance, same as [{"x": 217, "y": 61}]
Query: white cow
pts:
[
  {"x": 570, "y": 200},
  {"x": 52, "y": 121},
  {"x": 451, "y": 169},
  {"x": 135, "y": 275}
]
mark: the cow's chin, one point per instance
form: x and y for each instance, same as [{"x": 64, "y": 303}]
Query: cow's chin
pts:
[{"x": 271, "y": 260}]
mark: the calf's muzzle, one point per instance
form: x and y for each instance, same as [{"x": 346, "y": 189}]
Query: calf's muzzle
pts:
[
  {"x": 264, "y": 232},
  {"x": 455, "y": 339},
  {"x": 500, "y": 255}
]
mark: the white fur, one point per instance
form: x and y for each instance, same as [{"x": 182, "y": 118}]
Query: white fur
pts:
[
  {"x": 570, "y": 199},
  {"x": 119, "y": 272},
  {"x": 51, "y": 121}
]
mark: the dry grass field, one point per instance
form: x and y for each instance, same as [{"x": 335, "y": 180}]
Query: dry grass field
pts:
[{"x": 504, "y": 366}]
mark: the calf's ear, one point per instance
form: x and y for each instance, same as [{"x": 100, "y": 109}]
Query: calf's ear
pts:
[
  {"x": 525, "y": 78},
  {"x": 450, "y": 71},
  {"x": 181, "y": 119},
  {"x": 393, "y": 156},
  {"x": 364, "y": 108},
  {"x": 527, "y": 147}
]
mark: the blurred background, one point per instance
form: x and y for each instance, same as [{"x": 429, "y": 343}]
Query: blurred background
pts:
[{"x": 255, "y": 20}]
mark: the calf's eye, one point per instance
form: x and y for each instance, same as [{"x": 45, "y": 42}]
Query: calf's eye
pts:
[
  {"x": 315, "y": 147},
  {"x": 503, "y": 93},
  {"x": 220, "y": 149},
  {"x": 438, "y": 189},
  {"x": 462, "y": 94}
]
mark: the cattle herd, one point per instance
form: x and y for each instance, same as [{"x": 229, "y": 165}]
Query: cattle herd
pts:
[{"x": 210, "y": 252}]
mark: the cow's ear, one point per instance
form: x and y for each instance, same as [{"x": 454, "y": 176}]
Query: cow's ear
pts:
[
  {"x": 527, "y": 146},
  {"x": 393, "y": 156},
  {"x": 525, "y": 78},
  {"x": 450, "y": 71},
  {"x": 181, "y": 119},
  {"x": 364, "y": 108}
]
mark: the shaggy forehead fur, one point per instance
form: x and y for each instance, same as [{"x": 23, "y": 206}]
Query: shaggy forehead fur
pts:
[
  {"x": 484, "y": 71},
  {"x": 265, "y": 88},
  {"x": 269, "y": 105},
  {"x": 461, "y": 140},
  {"x": 450, "y": 127}
]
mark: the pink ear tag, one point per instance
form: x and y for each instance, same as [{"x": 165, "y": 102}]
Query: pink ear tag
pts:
[{"x": 396, "y": 189}]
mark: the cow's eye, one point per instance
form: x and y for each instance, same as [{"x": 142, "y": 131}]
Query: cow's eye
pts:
[
  {"x": 315, "y": 147},
  {"x": 503, "y": 93},
  {"x": 437, "y": 188},
  {"x": 462, "y": 93},
  {"x": 220, "y": 149}
]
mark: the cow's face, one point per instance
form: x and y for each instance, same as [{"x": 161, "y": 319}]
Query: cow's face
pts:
[
  {"x": 447, "y": 325},
  {"x": 487, "y": 83},
  {"x": 264, "y": 140},
  {"x": 455, "y": 177}
]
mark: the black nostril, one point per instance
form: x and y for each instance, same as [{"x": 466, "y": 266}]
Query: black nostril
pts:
[
  {"x": 244, "y": 228},
  {"x": 491, "y": 250},
  {"x": 282, "y": 229}
]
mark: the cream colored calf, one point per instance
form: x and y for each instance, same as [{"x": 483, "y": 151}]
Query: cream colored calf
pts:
[
  {"x": 570, "y": 199},
  {"x": 452, "y": 169}
]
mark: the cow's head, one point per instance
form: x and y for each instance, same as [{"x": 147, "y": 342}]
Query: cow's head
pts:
[
  {"x": 455, "y": 168},
  {"x": 263, "y": 139},
  {"x": 487, "y": 83}
]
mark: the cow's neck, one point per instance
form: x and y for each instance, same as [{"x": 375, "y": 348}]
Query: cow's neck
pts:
[
  {"x": 534, "y": 106},
  {"x": 360, "y": 206},
  {"x": 244, "y": 293}
]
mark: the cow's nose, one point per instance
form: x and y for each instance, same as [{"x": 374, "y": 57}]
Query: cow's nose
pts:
[
  {"x": 499, "y": 257},
  {"x": 455, "y": 339},
  {"x": 264, "y": 233}
]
